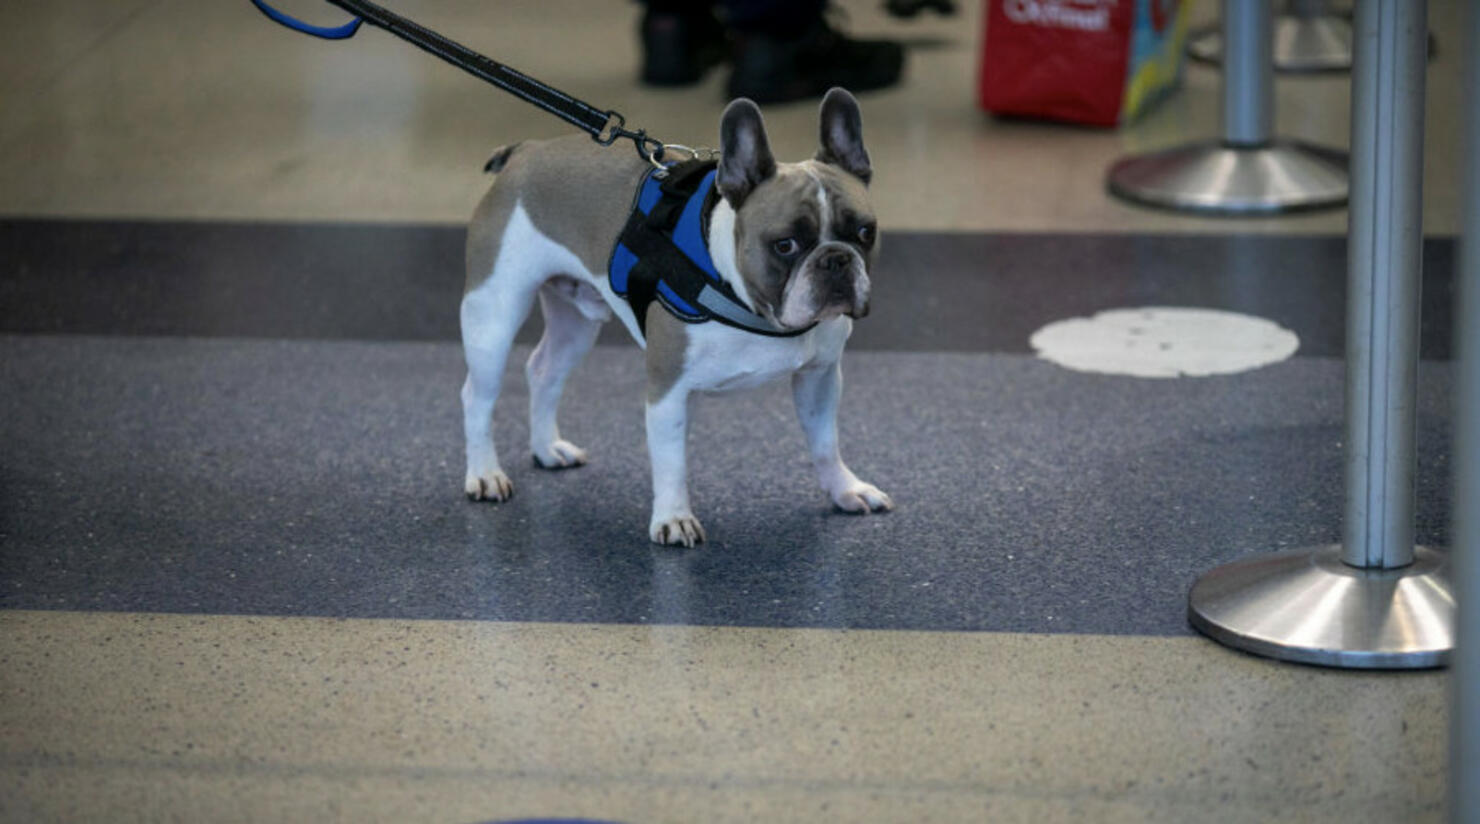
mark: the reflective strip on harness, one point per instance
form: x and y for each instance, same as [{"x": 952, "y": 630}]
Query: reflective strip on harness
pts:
[{"x": 722, "y": 307}]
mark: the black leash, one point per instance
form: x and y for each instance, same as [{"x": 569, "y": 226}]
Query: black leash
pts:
[{"x": 605, "y": 127}]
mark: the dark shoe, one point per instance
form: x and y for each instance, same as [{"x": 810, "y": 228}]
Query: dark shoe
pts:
[
  {"x": 677, "y": 49},
  {"x": 910, "y": 8},
  {"x": 772, "y": 69}
]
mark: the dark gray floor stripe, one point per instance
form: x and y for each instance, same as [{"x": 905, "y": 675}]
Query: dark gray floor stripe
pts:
[
  {"x": 948, "y": 292},
  {"x": 325, "y": 478}
]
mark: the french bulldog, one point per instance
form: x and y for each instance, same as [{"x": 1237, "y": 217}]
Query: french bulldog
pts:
[{"x": 795, "y": 242}]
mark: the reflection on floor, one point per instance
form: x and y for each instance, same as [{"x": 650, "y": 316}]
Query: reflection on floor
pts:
[{"x": 238, "y": 580}]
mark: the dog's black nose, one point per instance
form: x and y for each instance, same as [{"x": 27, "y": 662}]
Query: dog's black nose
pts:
[{"x": 835, "y": 261}]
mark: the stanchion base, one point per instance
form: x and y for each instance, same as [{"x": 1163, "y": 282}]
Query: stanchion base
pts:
[
  {"x": 1307, "y": 605},
  {"x": 1282, "y": 176},
  {"x": 1301, "y": 44}
]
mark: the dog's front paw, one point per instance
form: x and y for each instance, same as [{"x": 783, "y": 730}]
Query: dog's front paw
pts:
[
  {"x": 560, "y": 455},
  {"x": 862, "y": 499},
  {"x": 494, "y": 486},
  {"x": 680, "y": 530}
]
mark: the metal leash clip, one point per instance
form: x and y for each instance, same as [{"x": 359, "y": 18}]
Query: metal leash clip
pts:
[
  {"x": 694, "y": 153},
  {"x": 648, "y": 148},
  {"x": 702, "y": 153}
]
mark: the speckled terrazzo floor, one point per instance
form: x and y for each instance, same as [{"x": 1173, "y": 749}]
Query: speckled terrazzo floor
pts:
[
  {"x": 255, "y": 719},
  {"x": 803, "y": 664},
  {"x": 238, "y": 582},
  {"x": 324, "y": 478}
]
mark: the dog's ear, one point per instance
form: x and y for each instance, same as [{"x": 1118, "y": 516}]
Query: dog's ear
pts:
[
  {"x": 842, "y": 134},
  {"x": 745, "y": 154}
]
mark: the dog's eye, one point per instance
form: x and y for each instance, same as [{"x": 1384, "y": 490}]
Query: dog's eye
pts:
[
  {"x": 866, "y": 235},
  {"x": 786, "y": 247}
]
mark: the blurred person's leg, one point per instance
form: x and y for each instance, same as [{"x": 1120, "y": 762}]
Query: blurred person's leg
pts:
[
  {"x": 772, "y": 16},
  {"x": 785, "y": 50},
  {"x": 681, "y": 40}
]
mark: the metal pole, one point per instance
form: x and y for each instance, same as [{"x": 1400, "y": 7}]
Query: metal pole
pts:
[
  {"x": 1309, "y": 36},
  {"x": 1376, "y": 600},
  {"x": 1384, "y": 257},
  {"x": 1464, "y": 761},
  {"x": 1248, "y": 170},
  {"x": 1248, "y": 73}
]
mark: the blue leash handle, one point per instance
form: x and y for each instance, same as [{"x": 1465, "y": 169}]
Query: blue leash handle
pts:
[{"x": 343, "y": 32}]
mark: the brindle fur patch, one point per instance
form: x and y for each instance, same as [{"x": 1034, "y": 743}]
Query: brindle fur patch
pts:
[
  {"x": 573, "y": 189},
  {"x": 667, "y": 344}
]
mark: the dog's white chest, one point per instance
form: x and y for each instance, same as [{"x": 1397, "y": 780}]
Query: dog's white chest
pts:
[{"x": 724, "y": 359}]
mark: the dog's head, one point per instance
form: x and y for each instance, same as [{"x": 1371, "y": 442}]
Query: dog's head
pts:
[{"x": 805, "y": 233}]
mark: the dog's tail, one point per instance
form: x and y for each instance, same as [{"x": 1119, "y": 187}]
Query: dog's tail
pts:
[{"x": 496, "y": 163}]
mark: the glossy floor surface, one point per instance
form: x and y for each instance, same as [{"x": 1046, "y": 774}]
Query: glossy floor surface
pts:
[{"x": 239, "y": 581}]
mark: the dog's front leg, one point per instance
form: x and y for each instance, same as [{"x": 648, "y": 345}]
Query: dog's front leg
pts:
[
  {"x": 673, "y": 523},
  {"x": 816, "y": 392}
]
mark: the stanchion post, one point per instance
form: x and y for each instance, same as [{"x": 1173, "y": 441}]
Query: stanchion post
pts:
[
  {"x": 1384, "y": 258},
  {"x": 1308, "y": 37},
  {"x": 1464, "y": 761},
  {"x": 1375, "y": 600},
  {"x": 1246, "y": 170},
  {"x": 1248, "y": 73}
]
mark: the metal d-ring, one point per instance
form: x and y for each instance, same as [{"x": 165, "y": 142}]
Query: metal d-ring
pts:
[{"x": 699, "y": 153}]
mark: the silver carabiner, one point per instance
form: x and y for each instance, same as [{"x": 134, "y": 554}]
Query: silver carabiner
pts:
[{"x": 700, "y": 153}]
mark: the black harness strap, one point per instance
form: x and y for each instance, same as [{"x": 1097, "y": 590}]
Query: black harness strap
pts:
[
  {"x": 658, "y": 260},
  {"x": 649, "y": 237},
  {"x": 681, "y": 178}
]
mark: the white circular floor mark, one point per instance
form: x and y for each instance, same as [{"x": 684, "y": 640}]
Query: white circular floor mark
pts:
[{"x": 1165, "y": 342}]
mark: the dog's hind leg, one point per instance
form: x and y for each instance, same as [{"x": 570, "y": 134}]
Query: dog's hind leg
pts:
[
  {"x": 573, "y": 315},
  {"x": 491, "y": 314}
]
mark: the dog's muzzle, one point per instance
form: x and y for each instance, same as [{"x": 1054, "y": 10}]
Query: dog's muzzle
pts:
[
  {"x": 832, "y": 282},
  {"x": 844, "y": 285}
]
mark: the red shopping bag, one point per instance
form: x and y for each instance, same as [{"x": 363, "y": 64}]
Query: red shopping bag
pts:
[{"x": 1099, "y": 62}]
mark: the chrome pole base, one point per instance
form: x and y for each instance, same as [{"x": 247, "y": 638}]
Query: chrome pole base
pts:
[
  {"x": 1301, "y": 44},
  {"x": 1281, "y": 176},
  {"x": 1307, "y": 605}
]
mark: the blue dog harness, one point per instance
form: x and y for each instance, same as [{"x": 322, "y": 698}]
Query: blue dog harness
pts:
[{"x": 662, "y": 254}]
